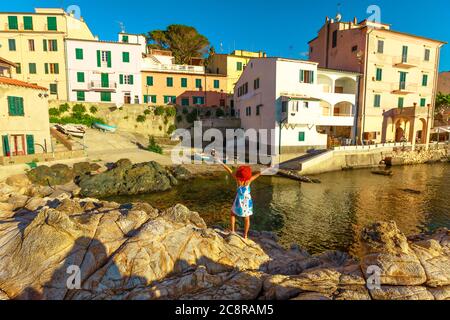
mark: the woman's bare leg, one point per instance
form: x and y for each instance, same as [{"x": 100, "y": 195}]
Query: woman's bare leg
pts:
[
  {"x": 247, "y": 227},
  {"x": 233, "y": 222}
]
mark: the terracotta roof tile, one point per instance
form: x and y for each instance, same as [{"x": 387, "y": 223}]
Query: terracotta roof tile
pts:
[{"x": 18, "y": 83}]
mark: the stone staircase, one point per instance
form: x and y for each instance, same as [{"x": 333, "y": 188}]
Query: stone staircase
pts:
[{"x": 296, "y": 164}]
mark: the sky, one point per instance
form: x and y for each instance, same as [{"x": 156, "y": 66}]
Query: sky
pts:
[{"x": 280, "y": 28}]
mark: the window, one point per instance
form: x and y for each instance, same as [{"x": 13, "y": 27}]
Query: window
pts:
[
  {"x": 104, "y": 59},
  {"x": 284, "y": 106},
  {"x": 239, "y": 66},
  {"x": 184, "y": 82},
  {"x": 28, "y": 23},
  {"x": 216, "y": 84},
  {"x": 305, "y": 105},
  {"x": 51, "y": 68},
  {"x": 170, "y": 99},
  {"x": 12, "y": 23},
  {"x": 169, "y": 82},
  {"x": 185, "y": 102},
  {"x": 427, "y": 55},
  {"x": 256, "y": 84},
  {"x": 50, "y": 45},
  {"x": 380, "y": 47},
  {"x": 405, "y": 54},
  {"x": 402, "y": 80},
  {"x": 423, "y": 102},
  {"x": 379, "y": 76},
  {"x": 105, "y": 96},
  {"x": 32, "y": 68},
  {"x": 126, "y": 79},
  {"x": 81, "y": 96},
  {"x": 149, "y": 98},
  {"x": 125, "y": 39},
  {"x": 18, "y": 68},
  {"x": 377, "y": 101},
  {"x": 301, "y": 136},
  {"x": 401, "y": 102},
  {"x": 306, "y": 76},
  {"x": 198, "y": 83},
  {"x": 80, "y": 76},
  {"x": 354, "y": 48},
  {"x": 198, "y": 100},
  {"x": 12, "y": 44},
  {"x": 15, "y": 106},
  {"x": 334, "y": 41},
  {"x": 258, "y": 110},
  {"x": 79, "y": 54},
  {"x": 125, "y": 57},
  {"x": 53, "y": 88},
  {"x": 31, "y": 45},
  {"x": 424, "y": 80},
  {"x": 248, "y": 111},
  {"x": 149, "y": 81},
  {"x": 51, "y": 24}
]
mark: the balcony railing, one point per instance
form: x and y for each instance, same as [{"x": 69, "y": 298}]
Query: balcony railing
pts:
[
  {"x": 176, "y": 68},
  {"x": 404, "y": 87},
  {"x": 406, "y": 62},
  {"x": 100, "y": 86}
]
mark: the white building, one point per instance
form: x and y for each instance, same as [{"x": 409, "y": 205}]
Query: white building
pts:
[
  {"x": 305, "y": 106},
  {"x": 106, "y": 71}
]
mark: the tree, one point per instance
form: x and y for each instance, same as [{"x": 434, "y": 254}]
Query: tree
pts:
[
  {"x": 442, "y": 107},
  {"x": 184, "y": 41}
]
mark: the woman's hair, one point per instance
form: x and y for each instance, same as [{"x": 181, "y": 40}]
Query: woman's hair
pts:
[{"x": 244, "y": 173}]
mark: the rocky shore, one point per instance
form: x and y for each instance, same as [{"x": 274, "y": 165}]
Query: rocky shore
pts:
[{"x": 137, "y": 252}]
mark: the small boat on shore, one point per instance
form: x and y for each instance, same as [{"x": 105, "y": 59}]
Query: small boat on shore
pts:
[
  {"x": 71, "y": 130},
  {"x": 387, "y": 173},
  {"x": 104, "y": 127}
]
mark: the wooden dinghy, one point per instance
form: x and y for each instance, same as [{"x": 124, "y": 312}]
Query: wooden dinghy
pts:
[
  {"x": 295, "y": 176},
  {"x": 387, "y": 173}
]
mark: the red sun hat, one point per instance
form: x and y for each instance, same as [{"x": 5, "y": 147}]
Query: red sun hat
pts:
[{"x": 244, "y": 173}]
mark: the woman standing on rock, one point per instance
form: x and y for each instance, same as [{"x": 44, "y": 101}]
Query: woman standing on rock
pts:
[{"x": 243, "y": 204}]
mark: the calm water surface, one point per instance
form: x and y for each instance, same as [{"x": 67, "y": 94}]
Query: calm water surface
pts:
[{"x": 326, "y": 216}]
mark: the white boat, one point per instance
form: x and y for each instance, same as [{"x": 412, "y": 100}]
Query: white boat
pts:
[{"x": 71, "y": 130}]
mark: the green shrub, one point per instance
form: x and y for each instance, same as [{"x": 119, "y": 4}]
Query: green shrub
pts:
[
  {"x": 53, "y": 112},
  {"x": 54, "y": 120},
  {"x": 78, "y": 119},
  {"x": 185, "y": 111},
  {"x": 78, "y": 109},
  {"x": 192, "y": 116},
  {"x": 220, "y": 113},
  {"x": 93, "y": 110},
  {"x": 141, "y": 118},
  {"x": 171, "y": 129},
  {"x": 179, "y": 118},
  {"x": 147, "y": 112},
  {"x": 166, "y": 121},
  {"x": 64, "y": 108},
  {"x": 171, "y": 112},
  {"x": 159, "y": 111},
  {"x": 153, "y": 146}
]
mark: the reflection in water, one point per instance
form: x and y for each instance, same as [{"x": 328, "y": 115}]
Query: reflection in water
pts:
[{"x": 327, "y": 216}]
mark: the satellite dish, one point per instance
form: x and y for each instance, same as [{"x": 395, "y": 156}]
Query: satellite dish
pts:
[{"x": 338, "y": 17}]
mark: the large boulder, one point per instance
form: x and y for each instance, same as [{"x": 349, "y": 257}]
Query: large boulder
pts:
[
  {"x": 127, "y": 179},
  {"x": 55, "y": 175},
  {"x": 19, "y": 180},
  {"x": 386, "y": 248}
]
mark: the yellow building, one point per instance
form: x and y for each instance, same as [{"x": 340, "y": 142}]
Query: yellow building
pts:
[
  {"x": 24, "y": 119},
  {"x": 164, "y": 82},
  {"x": 399, "y": 77},
  {"x": 35, "y": 42},
  {"x": 232, "y": 65}
]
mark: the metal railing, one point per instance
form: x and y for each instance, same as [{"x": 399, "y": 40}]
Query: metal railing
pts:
[{"x": 112, "y": 85}]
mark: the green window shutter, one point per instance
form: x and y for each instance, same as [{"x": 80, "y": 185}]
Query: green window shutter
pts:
[
  {"x": 150, "y": 81},
  {"x": 105, "y": 96},
  {"x": 423, "y": 102},
  {"x": 19, "y": 68},
  {"x": 32, "y": 68},
  {"x": 302, "y": 76},
  {"x": 379, "y": 74},
  {"x": 79, "y": 54},
  {"x": 145, "y": 98},
  {"x": 52, "y": 24},
  {"x": 6, "y": 149},
  {"x": 53, "y": 88},
  {"x": 56, "y": 68},
  {"x": 166, "y": 99},
  {"x": 12, "y": 23},
  {"x": 184, "y": 82},
  {"x": 81, "y": 96},
  {"x": 45, "y": 45},
  {"x": 198, "y": 83},
  {"x": 424, "y": 80},
  {"x": 108, "y": 57},
  {"x": 170, "y": 82},
  {"x": 239, "y": 66},
  {"x": 301, "y": 136},
  {"x": 131, "y": 79},
  {"x": 153, "y": 99},
  {"x": 30, "y": 144},
  {"x": 125, "y": 56},
  {"x": 121, "y": 79},
  {"x": 55, "y": 45},
  {"x": 216, "y": 84},
  {"x": 46, "y": 68},
  {"x": 80, "y": 76},
  {"x": 377, "y": 102},
  {"x": 105, "y": 80},
  {"x": 99, "y": 58},
  {"x": 11, "y": 106},
  {"x": 125, "y": 39},
  {"x": 401, "y": 102},
  {"x": 185, "y": 102},
  {"x": 28, "y": 23},
  {"x": 15, "y": 106},
  {"x": 12, "y": 44}
]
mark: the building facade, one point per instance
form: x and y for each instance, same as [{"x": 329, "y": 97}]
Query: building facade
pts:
[
  {"x": 24, "y": 119},
  {"x": 399, "y": 77},
  {"x": 105, "y": 71},
  {"x": 35, "y": 43},
  {"x": 164, "y": 82},
  {"x": 304, "y": 107}
]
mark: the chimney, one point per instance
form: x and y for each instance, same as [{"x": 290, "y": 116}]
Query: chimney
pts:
[{"x": 355, "y": 20}]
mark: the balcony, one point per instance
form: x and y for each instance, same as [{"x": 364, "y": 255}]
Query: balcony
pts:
[
  {"x": 174, "y": 68},
  {"x": 99, "y": 86},
  {"x": 406, "y": 62},
  {"x": 404, "y": 88},
  {"x": 321, "y": 120}
]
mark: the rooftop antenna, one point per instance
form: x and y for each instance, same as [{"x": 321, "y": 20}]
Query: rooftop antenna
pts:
[
  {"x": 338, "y": 15},
  {"x": 122, "y": 26},
  {"x": 221, "y": 47}
]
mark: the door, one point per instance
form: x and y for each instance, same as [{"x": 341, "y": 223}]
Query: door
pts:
[
  {"x": 402, "y": 80},
  {"x": 18, "y": 145},
  {"x": 105, "y": 80},
  {"x": 30, "y": 144},
  {"x": 405, "y": 54},
  {"x": 6, "y": 149},
  {"x": 127, "y": 98}
]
